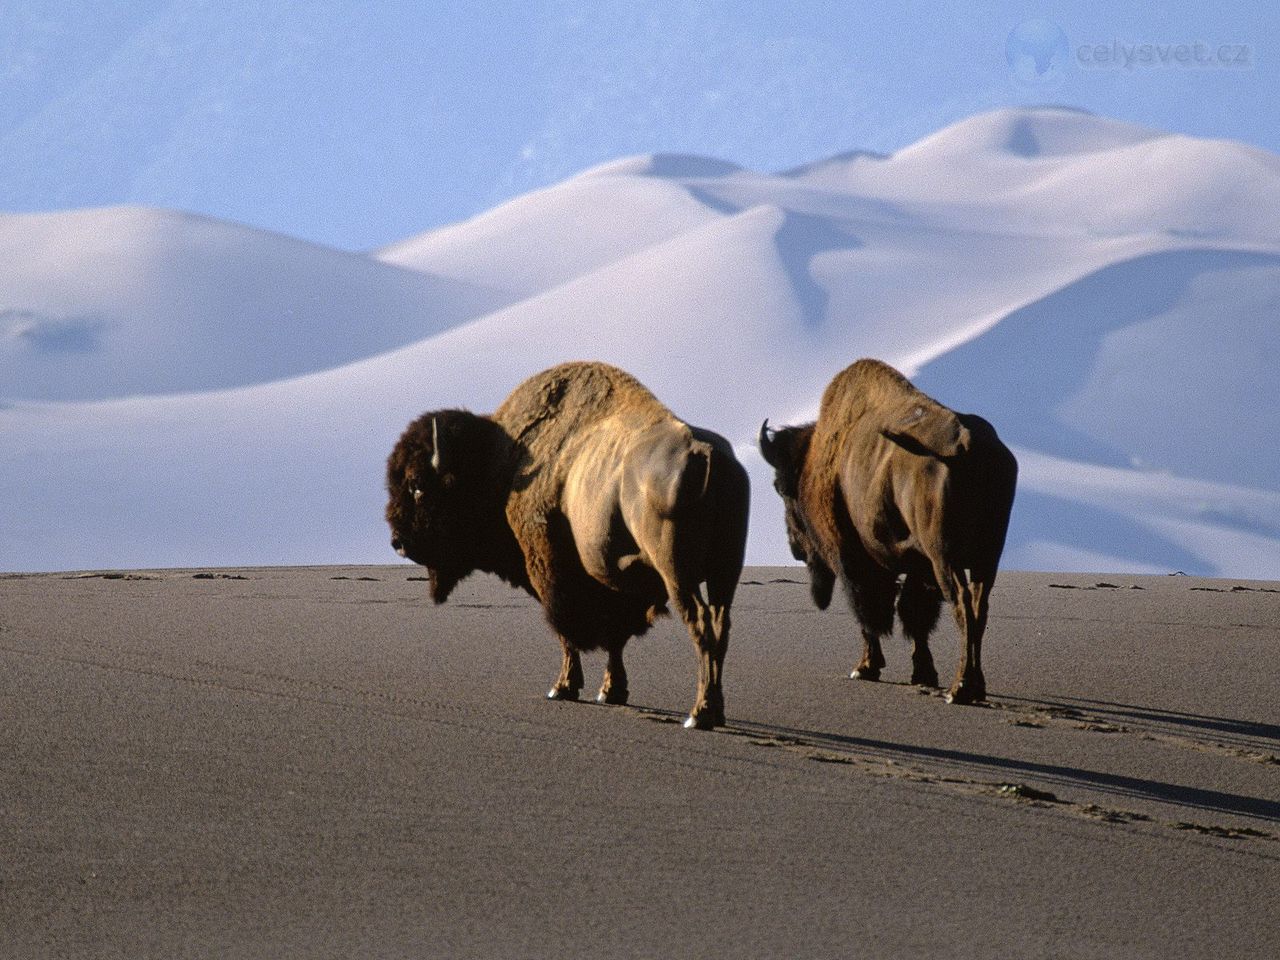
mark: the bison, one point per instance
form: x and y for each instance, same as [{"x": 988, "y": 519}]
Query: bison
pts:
[
  {"x": 587, "y": 492},
  {"x": 890, "y": 484}
]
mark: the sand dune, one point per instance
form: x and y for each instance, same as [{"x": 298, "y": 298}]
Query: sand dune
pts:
[
  {"x": 316, "y": 762},
  {"x": 1101, "y": 292}
]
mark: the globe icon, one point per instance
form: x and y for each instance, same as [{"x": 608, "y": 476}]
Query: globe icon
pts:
[{"x": 1037, "y": 52}]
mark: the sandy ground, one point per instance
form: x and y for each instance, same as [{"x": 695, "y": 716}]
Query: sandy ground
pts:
[{"x": 319, "y": 763}]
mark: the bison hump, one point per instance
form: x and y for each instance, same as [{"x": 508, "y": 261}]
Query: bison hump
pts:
[{"x": 552, "y": 406}]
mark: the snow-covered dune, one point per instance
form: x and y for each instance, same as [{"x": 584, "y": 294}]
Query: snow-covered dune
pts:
[
  {"x": 114, "y": 302},
  {"x": 1105, "y": 294},
  {"x": 547, "y": 237}
]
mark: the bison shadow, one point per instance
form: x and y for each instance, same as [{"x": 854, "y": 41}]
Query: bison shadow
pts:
[
  {"x": 1113, "y": 784},
  {"x": 1243, "y": 734},
  {"x": 1006, "y": 768}
]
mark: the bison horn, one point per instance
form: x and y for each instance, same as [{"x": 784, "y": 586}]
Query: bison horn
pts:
[
  {"x": 767, "y": 447},
  {"x": 435, "y": 444}
]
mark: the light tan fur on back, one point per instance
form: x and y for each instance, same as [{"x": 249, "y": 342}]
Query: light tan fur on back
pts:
[{"x": 553, "y": 411}]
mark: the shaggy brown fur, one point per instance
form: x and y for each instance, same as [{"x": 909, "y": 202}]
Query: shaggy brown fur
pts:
[
  {"x": 583, "y": 489},
  {"x": 890, "y": 483}
]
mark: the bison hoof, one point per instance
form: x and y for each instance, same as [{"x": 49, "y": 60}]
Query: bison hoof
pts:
[
  {"x": 865, "y": 673},
  {"x": 613, "y": 697},
  {"x": 705, "y": 718},
  {"x": 963, "y": 695},
  {"x": 562, "y": 693}
]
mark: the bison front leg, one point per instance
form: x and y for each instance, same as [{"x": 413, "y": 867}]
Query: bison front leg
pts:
[
  {"x": 614, "y": 688},
  {"x": 569, "y": 684},
  {"x": 872, "y": 599},
  {"x": 872, "y": 661},
  {"x": 919, "y": 604}
]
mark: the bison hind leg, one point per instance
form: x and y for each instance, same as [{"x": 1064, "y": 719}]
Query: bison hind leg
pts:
[
  {"x": 970, "y": 597},
  {"x": 569, "y": 684},
  {"x": 919, "y": 605},
  {"x": 709, "y": 629}
]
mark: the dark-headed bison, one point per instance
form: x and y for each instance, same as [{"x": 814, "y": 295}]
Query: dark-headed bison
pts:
[
  {"x": 587, "y": 492},
  {"x": 889, "y": 483}
]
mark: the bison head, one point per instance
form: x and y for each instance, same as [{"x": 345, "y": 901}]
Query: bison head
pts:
[
  {"x": 445, "y": 496},
  {"x": 785, "y": 450}
]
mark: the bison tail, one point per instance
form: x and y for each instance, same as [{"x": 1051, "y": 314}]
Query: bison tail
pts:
[
  {"x": 930, "y": 431},
  {"x": 695, "y": 477}
]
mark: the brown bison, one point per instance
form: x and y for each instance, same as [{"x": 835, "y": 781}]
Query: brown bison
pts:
[
  {"x": 584, "y": 490},
  {"x": 889, "y": 483}
]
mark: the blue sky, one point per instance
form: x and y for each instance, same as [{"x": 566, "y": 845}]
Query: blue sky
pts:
[{"x": 355, "y": 124}]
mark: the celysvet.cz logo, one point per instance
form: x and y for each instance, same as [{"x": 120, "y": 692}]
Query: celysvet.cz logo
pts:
[
  {"x": 1040, "y": 55},
  {"x": 1130, "y": 56}
]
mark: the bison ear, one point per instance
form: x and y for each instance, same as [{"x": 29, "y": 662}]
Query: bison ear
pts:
[{"x": 768, "y": 446}]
